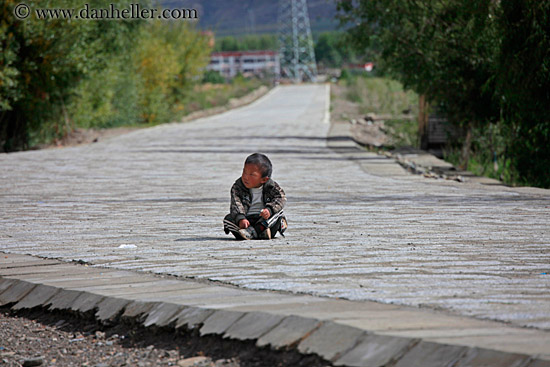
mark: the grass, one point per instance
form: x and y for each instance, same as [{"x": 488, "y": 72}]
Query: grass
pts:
[
  {"x": 403, "y": 132},
  {"x": 381, "y": 96},
  {"x": 487, "y": 154},
  {"x": 384, "y": 96}
]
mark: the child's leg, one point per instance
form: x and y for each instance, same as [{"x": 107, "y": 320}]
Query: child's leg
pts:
[
  {"x": 229, "y": 225},
  {"x": 256, "y": 222},
  {"x": 277, "y": 223}
]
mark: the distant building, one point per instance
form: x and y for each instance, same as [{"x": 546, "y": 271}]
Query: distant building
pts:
[{"x": 230, "y": 63}]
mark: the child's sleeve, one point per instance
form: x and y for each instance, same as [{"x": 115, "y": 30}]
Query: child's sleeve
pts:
[
  {"x": 278, "y": 199},
  {"x": 237, "y": 209}
]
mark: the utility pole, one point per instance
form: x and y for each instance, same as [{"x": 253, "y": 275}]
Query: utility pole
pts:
[{"x": 295, "y": 42}]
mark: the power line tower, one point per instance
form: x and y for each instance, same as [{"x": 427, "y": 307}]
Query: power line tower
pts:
[{"x": 295, "y": 42}]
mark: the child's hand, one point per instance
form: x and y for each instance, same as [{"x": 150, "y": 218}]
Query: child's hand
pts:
[
  {"x": 244, "y": 223},
  {"x": 265, "y": 214}
]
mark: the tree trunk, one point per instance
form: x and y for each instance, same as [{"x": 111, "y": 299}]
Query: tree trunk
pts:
[
  {"x": 465, "y": 156},
  {"x": 423, "y": 122}
]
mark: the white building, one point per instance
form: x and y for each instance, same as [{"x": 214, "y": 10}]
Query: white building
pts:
[{"x": 230, "y": 63}]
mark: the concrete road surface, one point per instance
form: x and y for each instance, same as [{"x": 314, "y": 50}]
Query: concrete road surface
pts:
[{"x": 360, "y": 227}]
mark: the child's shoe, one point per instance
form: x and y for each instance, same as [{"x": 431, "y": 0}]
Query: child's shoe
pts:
[
  {"x": 248, "y": 233},
  {"x": 265, "y": 235}
]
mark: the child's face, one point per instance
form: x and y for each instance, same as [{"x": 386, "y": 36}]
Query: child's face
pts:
[{"x": 252, "y": 176}]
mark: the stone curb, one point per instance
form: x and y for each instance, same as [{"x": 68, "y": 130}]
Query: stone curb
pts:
[{"x": 341, "y": 344}]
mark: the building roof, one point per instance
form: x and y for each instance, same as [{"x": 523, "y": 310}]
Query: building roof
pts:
[{"x": 244, "y": 53}]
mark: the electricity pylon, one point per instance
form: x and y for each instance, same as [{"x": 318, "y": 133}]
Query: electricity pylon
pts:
[{"x": 295, "y": 42}]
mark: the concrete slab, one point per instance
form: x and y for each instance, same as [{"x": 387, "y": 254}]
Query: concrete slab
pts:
[
  {"x": 63, "y": 300},
  {"x": 86, "y": 302},
  {"x": 253, "y": 325},
  {"x": 540, "y": 363},
  {"x": 220, "y": 321},
  {"x": 53, "y": 277},
  {"x": 82, "y": 280},
  {"x": 39, "y": 296},
  {"x": 199, "y": 295},
  {"x": 138, "y": 309},
  {"x": 16, "y": 292},
  {"x": 289, "y": 332},
  {"x": 475, "y": 328},
  {"x": 325, "y": 308},
  {"x": 162, "y": 314},
  {"x": 80, "y": 276},
  {"x": 192, "y": 317},
  {"x": 110, "y": 308},
  {"x": 5, "y": 283},
  {"x": 24, "y": 262},
  {"x": 34, "y": 270},
  {"x": 521, "y": 341},
  {"x": 280, "y": 305},
  {"x": 331, "y": 340},
  {"x": 405, "y": 319},
  {"x": 250, "y": 301},
  {"x": 376, "y": 351},
  {"x": 13, "y": 257},
  {"x": 486, "y": 358},
  {"x": 138, "y": 286},
  {"x": 426, "y": 354}
]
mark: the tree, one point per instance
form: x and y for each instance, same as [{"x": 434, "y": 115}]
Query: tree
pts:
[
  {"x": 332, "y": 49},
  {"x": 41, "y": 63},
  {"x": 483, "y": 62},
  {"x": 326, "y": 51},
  {"x": 442, "y": 49},
  {"x": 247, "y": 43},
  {"x": 524, "y": 85},
  {"x": 185, "y": 54},
  {"x": 58, "y": 74}
]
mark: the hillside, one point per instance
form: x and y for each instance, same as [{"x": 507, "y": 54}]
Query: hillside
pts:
[{"x": 240, "y": 17}]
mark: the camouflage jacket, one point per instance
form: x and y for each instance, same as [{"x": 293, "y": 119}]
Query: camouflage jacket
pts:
[{"x": 273, "y": 197}]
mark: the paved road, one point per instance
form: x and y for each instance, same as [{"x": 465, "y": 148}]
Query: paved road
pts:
[{"x": 360, "y": 228}]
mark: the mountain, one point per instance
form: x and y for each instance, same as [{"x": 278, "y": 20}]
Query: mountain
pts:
[{"x": 240, "y": 17}]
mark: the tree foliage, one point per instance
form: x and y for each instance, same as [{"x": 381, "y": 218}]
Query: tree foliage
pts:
[
  {"x": 482, "y": 62},
  {"x": 443, "y": 49},
  {"x": 332, "y": 49},
  {"x": 246, "y": 43},
  {"x": 524, "y": 87}
]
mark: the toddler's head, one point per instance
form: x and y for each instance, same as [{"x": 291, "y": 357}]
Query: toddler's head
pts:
[{"x": 257, "y": 170}]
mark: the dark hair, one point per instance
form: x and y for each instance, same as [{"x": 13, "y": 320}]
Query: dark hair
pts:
[{"x": 262, "y": 162}]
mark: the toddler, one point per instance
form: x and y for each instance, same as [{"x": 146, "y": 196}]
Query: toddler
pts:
[{"x": 257, "y": 202}]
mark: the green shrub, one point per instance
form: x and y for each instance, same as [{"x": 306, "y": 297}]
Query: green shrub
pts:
[{"x": 212, "y": 76}]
